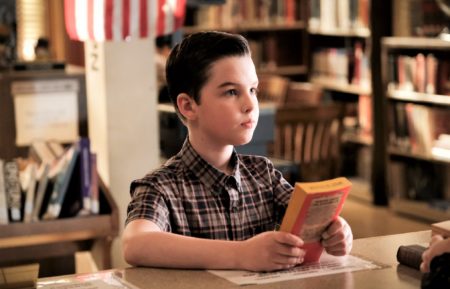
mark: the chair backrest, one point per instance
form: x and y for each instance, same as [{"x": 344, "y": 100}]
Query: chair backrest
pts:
[
  {"x": 303, "y": 93},
  {"x": 311, "y": 137},
  {"x": 273, "y": 88}
]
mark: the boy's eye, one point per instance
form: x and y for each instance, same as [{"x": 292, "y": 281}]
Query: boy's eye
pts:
[
  {"x": 254, "y": 91},
  {"x": 232, "y": 92}
]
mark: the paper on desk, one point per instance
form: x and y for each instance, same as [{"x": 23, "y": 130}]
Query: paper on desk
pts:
[
  {"x": 101, "y": 280},
  {"x": 328, "y": 265}
]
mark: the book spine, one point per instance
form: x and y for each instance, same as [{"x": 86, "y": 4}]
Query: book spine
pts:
[
  {"x": 95, "y": 203},
  {"x": 3, "y": 204},
  {"x": 62, "y": 183},
  {"x": 13, "y": 192},
  {"x": 42, "y": 188},
  {"x": 85, "y": 173},
  {"x": 30, "y": 193}
]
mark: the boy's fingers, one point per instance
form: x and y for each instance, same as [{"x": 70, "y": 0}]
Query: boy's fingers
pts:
[{"x": 288, "y": 239}]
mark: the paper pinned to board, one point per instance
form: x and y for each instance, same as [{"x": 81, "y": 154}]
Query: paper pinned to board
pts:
[
  {"x": 45, "y": 110},
  {"x": 328, "y": 265}
]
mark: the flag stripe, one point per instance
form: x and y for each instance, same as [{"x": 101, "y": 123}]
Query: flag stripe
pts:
[
  {"x": 101, "y": 20},
  {"x": 126, "y": 19},
  {"x": 160, "y": 17},
  {"x": 108, "y": 19},
  {"x": 69, "y": 14},
  {"x": 90, "y": 19},
  {"x": 143, "y": 19}
]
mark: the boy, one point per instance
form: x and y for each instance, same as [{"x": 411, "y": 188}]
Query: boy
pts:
[{"x": 209, "y": 207}]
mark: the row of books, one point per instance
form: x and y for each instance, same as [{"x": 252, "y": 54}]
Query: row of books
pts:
[
  {"x": 420, "y": 73},
  {"x": 339, "y": 15},
  {"x": 52, "y": 182},
  {"x": 419, "y": 181},
  {"x": 342, "y": 65},
  {"x": 415, "y": 128},
  {"x": 249, "y": 12}
]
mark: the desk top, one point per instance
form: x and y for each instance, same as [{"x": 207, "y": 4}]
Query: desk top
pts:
[{"x": 378, "y": 249}]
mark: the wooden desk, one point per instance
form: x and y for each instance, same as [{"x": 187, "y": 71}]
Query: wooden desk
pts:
[{"x": 379, "y": 249}]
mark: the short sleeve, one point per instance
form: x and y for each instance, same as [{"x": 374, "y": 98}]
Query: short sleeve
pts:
[{"x": 147, "y": 202}]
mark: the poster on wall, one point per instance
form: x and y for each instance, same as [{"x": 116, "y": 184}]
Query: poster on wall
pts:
[{"x": 45, "y": 110}]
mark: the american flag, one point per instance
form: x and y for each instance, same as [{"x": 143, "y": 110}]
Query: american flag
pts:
[{"x": 103, "y": 20}]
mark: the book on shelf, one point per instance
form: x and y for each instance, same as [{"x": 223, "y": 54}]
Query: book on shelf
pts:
[
  {"x": 441, "y": 147},
  {"x": 95, "y": 203},
  {"x": 30, "y": 193},
  {"x": 423, "y": 73},
  {"x": 3, "y": 204},
  {"x": 61, "y": 184},
  {"x": 342, "y": 15},
  {"x": 234, "y": 13},
  {"x": 13, "y": 191},
  {"x": 85, "y": 174},
  {"x": 311, "y": 209},
  {"x": 42, "y": 194}
]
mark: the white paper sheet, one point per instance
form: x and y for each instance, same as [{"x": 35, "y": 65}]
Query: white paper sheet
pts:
[
  {"x": 328, "y": 265},
  {"x": 101, "y": 280},
  {"x": 46, "y": 116}
]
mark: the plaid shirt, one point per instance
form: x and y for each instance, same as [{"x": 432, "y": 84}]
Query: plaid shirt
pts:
[{"x": 190, "y": 197}]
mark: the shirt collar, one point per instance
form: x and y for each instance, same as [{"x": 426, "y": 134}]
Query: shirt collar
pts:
[{"x": 211, "y": 177}]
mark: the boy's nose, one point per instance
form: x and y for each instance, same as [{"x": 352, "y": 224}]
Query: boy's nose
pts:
[{"x": 249, "y": 103}]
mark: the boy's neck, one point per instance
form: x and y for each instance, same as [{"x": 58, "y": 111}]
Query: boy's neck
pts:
[{"x": 217, "y": 156}]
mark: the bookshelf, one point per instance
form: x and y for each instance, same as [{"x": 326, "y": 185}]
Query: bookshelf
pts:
[
  {"x": 39, "y": 242},
  {"x": 339, "y": 50},
  {"x": 417, "y": 99},
  {"x": 52, "y": 243},
  {"x": 276, "y": 31}
]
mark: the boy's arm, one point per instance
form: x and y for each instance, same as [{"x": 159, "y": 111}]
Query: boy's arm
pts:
[{"x": 145, "y": 244}]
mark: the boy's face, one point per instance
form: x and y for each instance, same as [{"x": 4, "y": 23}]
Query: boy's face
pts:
[{"x": 228, "y": 111}]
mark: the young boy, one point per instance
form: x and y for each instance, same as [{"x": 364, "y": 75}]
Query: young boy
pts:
[{"x": 209, "y": 207}]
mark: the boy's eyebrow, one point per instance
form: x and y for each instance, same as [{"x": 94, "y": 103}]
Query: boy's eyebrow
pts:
[{"x": 230, "y": 83}]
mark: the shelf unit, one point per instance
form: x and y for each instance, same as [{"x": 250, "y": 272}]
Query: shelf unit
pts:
[
  {"x": 418, "y": 182},
  {"x": 37, "y": 242},
  {"x": 52, "y": 243},
  {"x": 338, "y": 63},
  {"x": 278, "y": 42}
]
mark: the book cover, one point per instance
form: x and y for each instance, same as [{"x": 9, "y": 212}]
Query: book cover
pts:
[
  {"x": 42, "y": 190},
  {"x": 3, "y": 204},
  {"x": 62, "y": 183},
  {"x": 95, "y": 203},
  {"x": 13, "y": 192},
  {"x": 30, "y": 194},
  {"x": 85, "y": 174},
  {"x": 312, "y": 208}
]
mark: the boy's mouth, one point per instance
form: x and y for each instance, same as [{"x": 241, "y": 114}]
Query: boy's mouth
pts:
[{"x": 249, "y": 123}]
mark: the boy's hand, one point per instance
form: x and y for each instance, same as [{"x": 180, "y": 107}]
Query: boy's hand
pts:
[
  {"x": 438, "y": 246},
  {"x": 271, "y": 251},
  {"x": 338, "y": 238}
]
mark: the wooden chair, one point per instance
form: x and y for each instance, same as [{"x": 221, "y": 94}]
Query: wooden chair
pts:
[
  {"x": 311, "y": 138},
  {"x": 273, "y": 88},
  {"x": 303, "y": 93}
]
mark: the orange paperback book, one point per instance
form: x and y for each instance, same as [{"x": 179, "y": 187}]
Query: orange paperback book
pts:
[{"x": 311, "y": 209}]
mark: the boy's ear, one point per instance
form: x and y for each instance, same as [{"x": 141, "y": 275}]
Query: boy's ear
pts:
[{"x": 186, "y": 106}]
